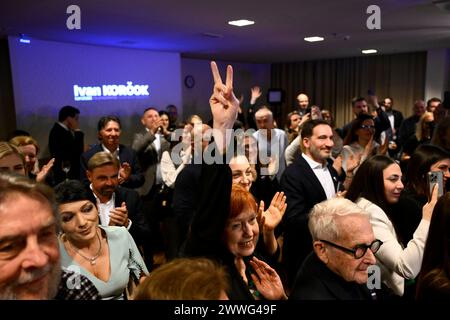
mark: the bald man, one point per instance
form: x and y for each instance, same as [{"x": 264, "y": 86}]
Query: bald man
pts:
[{"x": 303, "y": 103}]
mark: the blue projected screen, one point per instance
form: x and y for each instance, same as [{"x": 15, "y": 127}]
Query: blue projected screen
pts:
[{"x": 97, "y": 80}]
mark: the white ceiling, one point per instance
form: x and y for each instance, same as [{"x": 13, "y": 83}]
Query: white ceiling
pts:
[{"x": 276, "y": 36}]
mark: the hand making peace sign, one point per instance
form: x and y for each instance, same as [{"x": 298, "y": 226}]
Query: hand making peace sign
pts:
[{"x": 223, "y": 102}]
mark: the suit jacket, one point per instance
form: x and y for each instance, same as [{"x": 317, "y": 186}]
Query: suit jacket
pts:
[
  {"x": 63, "y": 145},
  {"x": 139, "y": 227},
  {"x": 315, "y": 281},
  {"x": 382, "y": 123},
  {"x": 398, "y": 119},
  {"x": 303, "y": 190},
  {"x": 148, "y": 157},
  {"x": 136, "y": 178}
]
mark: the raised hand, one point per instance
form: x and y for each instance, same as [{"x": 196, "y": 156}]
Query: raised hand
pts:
[
  {"x": 256, "y": 93},
  {"x": 40, "y": 177},
  {"x": 273, "y": 215},
  {"x": 353, "y": 162},
  {"x": 427, "y": 209},
  {"x": 119, "y": 216},
  {"x": 384, "y": 147},
  {"x": 267, "y": 280},
  {"x": 224, "y": 104},
  {"x": 124, "y": 172}
]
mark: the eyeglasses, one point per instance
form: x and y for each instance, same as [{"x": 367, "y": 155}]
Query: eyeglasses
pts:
[
  {"x": 360, "y": 249},
  {"x": 363, "y": 126}
]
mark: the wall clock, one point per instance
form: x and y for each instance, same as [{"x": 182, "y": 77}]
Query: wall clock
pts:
[{"x": 189, "y": 81}]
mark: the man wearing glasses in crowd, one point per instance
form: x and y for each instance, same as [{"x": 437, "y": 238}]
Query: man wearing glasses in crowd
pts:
[{"x": 343, "y": 249}]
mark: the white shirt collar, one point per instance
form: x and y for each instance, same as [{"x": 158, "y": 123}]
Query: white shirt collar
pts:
[
  {"x": 63, "y": 125},
  {"x": 312, "y": 163},
  {"x": 113, "y": 197},
  {"x": 116, "y": 153}
]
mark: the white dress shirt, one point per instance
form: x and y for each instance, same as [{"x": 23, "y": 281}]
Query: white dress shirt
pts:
[{"x": 323, "y": 174}]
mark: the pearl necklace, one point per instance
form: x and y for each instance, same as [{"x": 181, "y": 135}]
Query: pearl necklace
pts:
[{"x": 95, "y": 257}]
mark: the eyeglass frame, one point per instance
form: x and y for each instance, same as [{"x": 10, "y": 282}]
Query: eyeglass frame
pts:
[{"x": 353, "y": 251}]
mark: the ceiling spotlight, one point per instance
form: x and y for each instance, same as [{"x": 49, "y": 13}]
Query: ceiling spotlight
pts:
[
  {"x": 313, "y": 39},
  {"x": 369, "y": 51},
  {"x": 241, "y": 23}
]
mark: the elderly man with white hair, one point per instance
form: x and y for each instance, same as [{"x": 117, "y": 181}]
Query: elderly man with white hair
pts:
[{"x": 343, "y": 249}]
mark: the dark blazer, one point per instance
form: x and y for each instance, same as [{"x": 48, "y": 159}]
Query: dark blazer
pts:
[
  {"x": 382, "y": 123},
  {"x": 315, "y": 281},
  {"x": 126, "y": 154},
  {"x": 63, "y": 145},
  {"x": 139, "y": 227},
  {"x": 303, "y": 190},
  {"x": 398, "y": 119},
  {"x": 208, "y": 224},
  {"x": 148, "y": 157}
]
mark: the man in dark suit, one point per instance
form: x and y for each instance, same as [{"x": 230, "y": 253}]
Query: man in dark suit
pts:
[
  {"x": 359, "y": 105},
  {"x": 109, "y": 129},
  {"x": 309, "y": 180},
  {"x": 149, "y": 146},
  {"x": 117, "y": 206},
  {"x": 65, "y": 143},
  {"x": 344, "y": 246},
  {"x": 395, "y": 119}
]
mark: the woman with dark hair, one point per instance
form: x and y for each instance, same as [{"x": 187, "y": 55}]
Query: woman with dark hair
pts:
[
  {"x": 426, "y": 158},
  {"x": 165, "y": 124},
  {"x": 108, "y": 256},
  {"x": 376, "y": 187},
  {"x": 434, "y": 279}
]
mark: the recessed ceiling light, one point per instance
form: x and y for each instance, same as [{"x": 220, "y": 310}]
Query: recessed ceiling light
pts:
[
  {"x": 369, "y": 51},
  {"x": 241, "y": 23},
  {"x": 313, "y": 39}
]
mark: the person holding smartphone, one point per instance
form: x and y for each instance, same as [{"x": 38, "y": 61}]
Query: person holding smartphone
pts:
[
  {"x": 427, "y": 158},
  {"x": 376, "y": 188}
]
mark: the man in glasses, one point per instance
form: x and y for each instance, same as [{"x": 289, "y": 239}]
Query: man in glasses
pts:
[{"x": 343, "y": 249}]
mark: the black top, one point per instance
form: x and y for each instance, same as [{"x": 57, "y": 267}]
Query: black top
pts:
[
  {"x": 208, "y": 224},
  {"x": 63, "y": 145},
  {"x": 315, "y": 281},
  {"x": 303, "y": 190}
]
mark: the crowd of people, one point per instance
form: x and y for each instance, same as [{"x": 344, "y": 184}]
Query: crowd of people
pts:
[{"x": 305, "y": 213}]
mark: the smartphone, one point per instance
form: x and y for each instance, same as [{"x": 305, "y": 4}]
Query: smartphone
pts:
[
  {"x": 308, "y": 110},
  {"x": 436, "y": 177}
]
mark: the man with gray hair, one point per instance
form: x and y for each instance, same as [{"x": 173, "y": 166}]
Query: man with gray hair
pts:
[
  {"x": 271, "y": 143},
  {"x": 344, "y": 245},
  {"x": 29, "y": 251}
]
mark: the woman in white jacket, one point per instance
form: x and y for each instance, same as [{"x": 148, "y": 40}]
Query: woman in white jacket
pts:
[{"x": 376, "y": 187}]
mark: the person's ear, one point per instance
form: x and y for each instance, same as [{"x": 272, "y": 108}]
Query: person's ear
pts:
[
  {"x": 305, "y": 142},
  {"x": 321, "y": 251},
  {"x": 89, "y": 175}
]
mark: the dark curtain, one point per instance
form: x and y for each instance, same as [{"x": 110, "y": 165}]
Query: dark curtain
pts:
[{"x": 331, "y": 84}]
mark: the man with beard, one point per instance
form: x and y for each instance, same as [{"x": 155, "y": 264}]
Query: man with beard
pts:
[
  {"x": 109, "y": 130},
  {"x": 29, "y": 251},
  {"x": 117, "y": 206},
  {"x": 309, "y": 180}
]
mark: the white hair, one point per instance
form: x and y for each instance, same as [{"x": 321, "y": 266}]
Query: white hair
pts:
[
  {"x": 322, "y": 218},
  {"x": 263, "y": 111}
]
